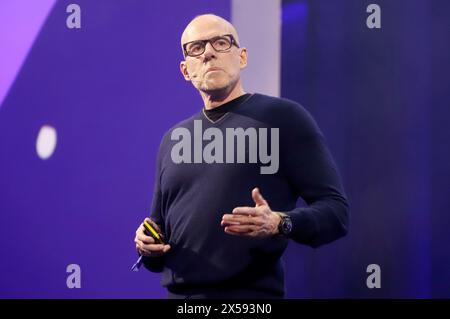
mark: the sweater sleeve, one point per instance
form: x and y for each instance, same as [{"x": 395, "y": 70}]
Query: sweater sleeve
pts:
[
  {"x": 314, "y": 177},
  {"x": 156, "y": 264}
]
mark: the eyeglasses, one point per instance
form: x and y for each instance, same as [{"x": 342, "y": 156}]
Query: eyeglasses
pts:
[{"x": 220, "y": 44}]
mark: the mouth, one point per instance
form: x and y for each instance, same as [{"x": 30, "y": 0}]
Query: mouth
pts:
[{"x": 213, "y": 69}]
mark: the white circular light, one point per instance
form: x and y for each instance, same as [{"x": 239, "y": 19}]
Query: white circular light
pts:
[{"x": 46, "y": 142}]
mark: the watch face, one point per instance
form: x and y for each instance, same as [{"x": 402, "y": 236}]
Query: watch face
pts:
[{"x": 286, "y": 225}]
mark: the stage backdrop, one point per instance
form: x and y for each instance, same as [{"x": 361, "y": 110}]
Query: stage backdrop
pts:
[
  {"x": 103, "y": 96},
  {"x": 381, "y": 98}
]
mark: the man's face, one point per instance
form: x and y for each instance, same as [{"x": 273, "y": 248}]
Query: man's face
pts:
[{"x": 212, "y": 71}]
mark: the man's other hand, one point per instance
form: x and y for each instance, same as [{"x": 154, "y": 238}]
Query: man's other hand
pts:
[{"x": 258, "y": 221}]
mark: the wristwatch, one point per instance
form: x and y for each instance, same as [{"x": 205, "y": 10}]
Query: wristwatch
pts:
[{"x": 285, "y": 225}]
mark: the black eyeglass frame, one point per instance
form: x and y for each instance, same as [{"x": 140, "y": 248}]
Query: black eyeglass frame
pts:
[{"x": 204, "y": 42}]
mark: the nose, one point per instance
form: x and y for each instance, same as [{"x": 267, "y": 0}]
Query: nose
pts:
[{"x": 209, "y": 51}]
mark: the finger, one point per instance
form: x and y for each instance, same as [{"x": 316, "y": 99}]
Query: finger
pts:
[
  {"x": 142, "y": 250},
  {"x": 247, "y": 234},
  {"x": 153, "y": 250},
  {"x": 140, "y": 229},
  {"x": 141, "y": 232},
  {"x": 153, "y": 247},
  {"x": 241, "y": 228},
  {"x": 246, "y": 211},
  {"x": 139, "y": 246},
  {"x": 258, "y": 198},
  {"x": 230, "y": 219},
  {"x": 237, "y": 219},
  {"x": 228, "y": 223},
  {"x": 145, "y": 239}
]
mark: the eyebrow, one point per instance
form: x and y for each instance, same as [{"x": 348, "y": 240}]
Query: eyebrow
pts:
[{"x": 207, "y": 38}]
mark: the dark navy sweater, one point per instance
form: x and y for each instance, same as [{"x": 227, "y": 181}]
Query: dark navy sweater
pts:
[{"x": 190, "y": 198}]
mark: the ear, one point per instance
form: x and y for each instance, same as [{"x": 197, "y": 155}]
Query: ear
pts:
[
  {"x": 243, "y": 57},
  {"x": 184, "y": 71}
]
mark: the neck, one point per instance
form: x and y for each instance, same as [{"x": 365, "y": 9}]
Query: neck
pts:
[{"x": 215, "y": 99}]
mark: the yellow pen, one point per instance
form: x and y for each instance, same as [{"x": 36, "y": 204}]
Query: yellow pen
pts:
[{"x": 150, "y": 231}]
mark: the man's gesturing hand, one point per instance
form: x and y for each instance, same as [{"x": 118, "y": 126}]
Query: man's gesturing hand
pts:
[
  {"x": 145, "y": 245},
  {"x": 258, "y": 221}
]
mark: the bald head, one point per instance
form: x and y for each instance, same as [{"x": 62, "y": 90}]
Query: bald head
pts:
[
  {"x": 214, "y": 72},
  {"x": 206, "y": 26}
]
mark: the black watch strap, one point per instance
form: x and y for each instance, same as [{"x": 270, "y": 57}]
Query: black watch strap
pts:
[{"x": 285, "y": 225}]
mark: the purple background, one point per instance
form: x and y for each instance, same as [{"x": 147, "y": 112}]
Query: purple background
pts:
[
  {"x": 112, "y": 88},
  {"x": 381, "y": 97}
]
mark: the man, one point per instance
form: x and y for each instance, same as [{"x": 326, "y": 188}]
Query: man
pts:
[{"x": 223, "y": 238}]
